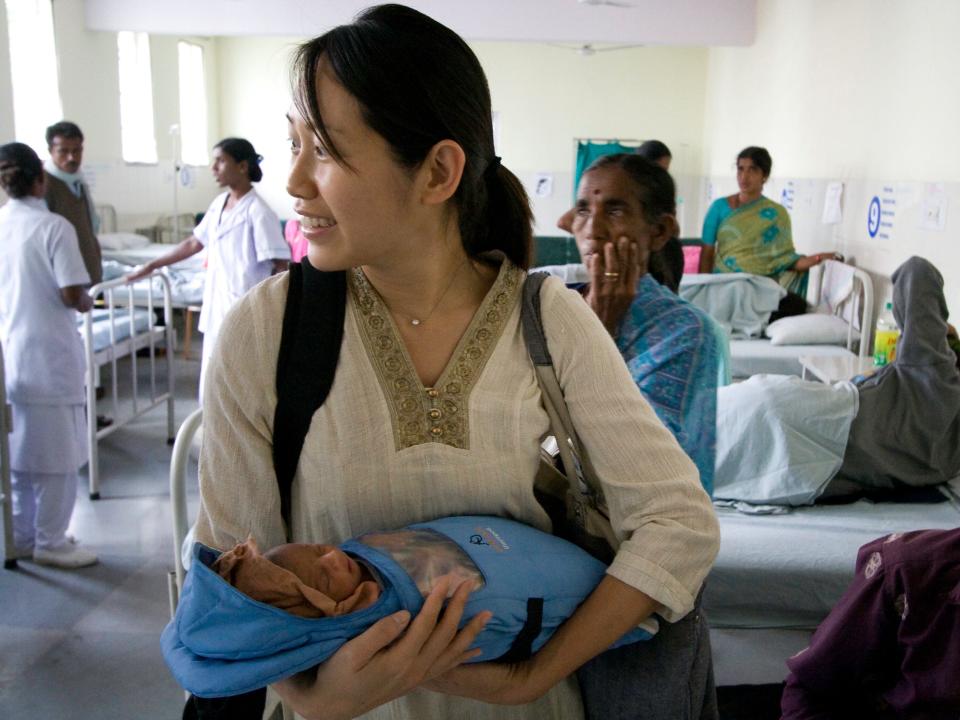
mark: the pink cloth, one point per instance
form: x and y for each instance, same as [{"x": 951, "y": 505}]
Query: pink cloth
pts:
[
  {"x": 691, "y": 259},
  {"x": 295, "y": 239}
]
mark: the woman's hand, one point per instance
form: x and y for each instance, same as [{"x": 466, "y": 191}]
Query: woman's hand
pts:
[
  {"x": 497, "y": 683},
  {"x": 808, "y": 261},
  {"x": 613, "y": 280},
  {"x": 377, "y": 667},
  {"x": 139, "y": 272}
]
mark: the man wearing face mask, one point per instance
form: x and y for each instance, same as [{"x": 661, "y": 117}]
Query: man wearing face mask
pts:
[{"x": 67, "y": 192}]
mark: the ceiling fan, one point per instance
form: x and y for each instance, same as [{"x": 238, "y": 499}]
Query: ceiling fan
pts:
[
  {"x": 611, "y": 3},
  {"x": 588, "y": 49}
]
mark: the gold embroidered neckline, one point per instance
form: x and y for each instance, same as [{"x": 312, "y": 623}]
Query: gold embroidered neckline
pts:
[{"x": 432, "y": 414}]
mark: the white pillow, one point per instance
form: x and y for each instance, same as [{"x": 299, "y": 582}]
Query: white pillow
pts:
[
  {"x": 809, "y": 329},
  {"x": 122, "y": 241}
]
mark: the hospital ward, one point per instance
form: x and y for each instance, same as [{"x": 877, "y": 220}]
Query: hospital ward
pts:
[{"x": 504, "y": 360}]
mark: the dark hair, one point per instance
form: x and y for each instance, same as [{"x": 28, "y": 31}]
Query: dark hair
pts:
[
  {"x": 655, "y": 188},
  {"x": 65, "y": 129},
  {"x": 242, "y": 150},
  {"x": 654, "y": 151},
  {"x": 19, "y": 169},
  {"x": 658, "y": 197},
  {"x": 760, "y": 157},
  {"x": 417, "y": 83}
]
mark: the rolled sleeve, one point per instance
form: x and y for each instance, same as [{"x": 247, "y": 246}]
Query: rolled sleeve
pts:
[{"x": 652, "y": 490}]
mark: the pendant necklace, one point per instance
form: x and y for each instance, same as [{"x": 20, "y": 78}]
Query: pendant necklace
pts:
[{"x": 416, "y": 322}]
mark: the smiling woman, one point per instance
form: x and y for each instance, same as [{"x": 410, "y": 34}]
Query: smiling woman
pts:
[{"x": 435, "y": 409}]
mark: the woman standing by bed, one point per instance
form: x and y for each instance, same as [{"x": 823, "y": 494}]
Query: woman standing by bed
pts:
[
  {"x": 435, "y": 409},
  {"x": 42, "y": 285},
  {"x": 242, "y": 236}
]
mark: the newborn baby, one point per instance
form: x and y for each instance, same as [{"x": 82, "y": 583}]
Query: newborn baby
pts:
[
  {"x": 247, "y": 619},
  {"x": 315, "y": 581}
]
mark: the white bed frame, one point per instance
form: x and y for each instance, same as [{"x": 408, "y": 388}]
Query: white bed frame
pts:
[
  {"x": 179, "y": 462},
  {"x": 118, "y": 295},
  {"x": 6, "y": 490},
  {"x": 760, "y": 356}
]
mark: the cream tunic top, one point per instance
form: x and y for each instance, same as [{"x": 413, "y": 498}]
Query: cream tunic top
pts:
[{"x": 384, "y": 451}]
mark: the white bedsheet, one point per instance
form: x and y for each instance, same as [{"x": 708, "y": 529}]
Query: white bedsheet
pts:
[
  {"x": 788, "y": 571},
  {"x": 740, "y": 302},
  {"x": 780, "y": 439},
  {"x": 121, "y": 326},
  {"x": 756, "y": 356}
]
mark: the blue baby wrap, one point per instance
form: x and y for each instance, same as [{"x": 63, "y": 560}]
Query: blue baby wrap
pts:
[{"x": 221, "y": 642}]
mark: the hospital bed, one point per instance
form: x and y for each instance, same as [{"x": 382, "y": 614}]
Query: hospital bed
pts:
[
  {"x": 777, "y": 576},
  {"x": 6, "y": 491},
  {"x": 124, "y": 324},
  {"x": 179, "y": 467},
  {"x": 839, "y": 294}
]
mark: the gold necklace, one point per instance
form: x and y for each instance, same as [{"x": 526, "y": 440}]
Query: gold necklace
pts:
[{"x": 416, "y": 322}]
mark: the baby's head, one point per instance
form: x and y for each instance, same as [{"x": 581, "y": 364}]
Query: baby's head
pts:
[
  {"x": 304, "y": 579},
  {"x": 322, "y": 567}
]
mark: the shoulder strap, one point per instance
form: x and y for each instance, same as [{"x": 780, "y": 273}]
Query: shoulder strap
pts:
[
  {"x": 306, "y": 364},
  {"x": 562, "y": 425}
]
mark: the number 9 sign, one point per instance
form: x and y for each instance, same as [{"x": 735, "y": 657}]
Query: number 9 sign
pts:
[{"x": 873, "y": 217}]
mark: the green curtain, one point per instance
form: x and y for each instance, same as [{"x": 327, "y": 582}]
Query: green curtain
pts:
[{"x": 588, "y": 151}]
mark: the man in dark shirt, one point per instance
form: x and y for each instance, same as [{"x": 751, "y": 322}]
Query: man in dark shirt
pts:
[{"x": 67, "y": 193}]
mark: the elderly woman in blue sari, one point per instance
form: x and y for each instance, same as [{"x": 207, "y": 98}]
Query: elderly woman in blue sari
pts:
[
  {"x": 677, "y": 354},
  {"x": 747, "y": 232}
]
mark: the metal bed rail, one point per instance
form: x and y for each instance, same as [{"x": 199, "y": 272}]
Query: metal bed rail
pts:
[
  {"x": 6, "y": 489},
  {"x": 115, "y": 295}
]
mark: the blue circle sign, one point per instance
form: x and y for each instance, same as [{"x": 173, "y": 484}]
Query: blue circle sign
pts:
[{"x": 873, "y": 217}]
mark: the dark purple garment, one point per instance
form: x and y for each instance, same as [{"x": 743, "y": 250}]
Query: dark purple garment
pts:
[{"x": 891, "y": 646}]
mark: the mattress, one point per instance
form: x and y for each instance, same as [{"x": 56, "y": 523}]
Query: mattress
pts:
[
  {"x": 140, "y": 255},
  {"x": 788, "y": 571},
  {"x": 186, "y": 278},
  {"x": 121, "y": 326},
  {"x": 756, "y": 357}
]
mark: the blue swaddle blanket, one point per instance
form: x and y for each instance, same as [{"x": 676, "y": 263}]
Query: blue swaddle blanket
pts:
[{"x": 221, "y": 642}]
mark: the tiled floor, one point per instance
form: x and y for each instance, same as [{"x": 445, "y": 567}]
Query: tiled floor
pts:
[{"x": 84, "y": 644}]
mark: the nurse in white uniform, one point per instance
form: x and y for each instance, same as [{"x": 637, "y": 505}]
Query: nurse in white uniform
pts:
[
  {"x": 42, "y": 286},
  {"x": 241, "y": 233}
]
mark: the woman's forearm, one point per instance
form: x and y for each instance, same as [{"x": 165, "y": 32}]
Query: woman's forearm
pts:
[
  {"x": 181, "y": 251},
  {"x": 612, "y": 610},
  {"x": 806, "y": 262},
  {"x": 707, "y": 254}
]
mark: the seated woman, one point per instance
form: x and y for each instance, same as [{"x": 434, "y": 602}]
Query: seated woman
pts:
[
  {"x": 786, "y": 441},
  {"x": 746, "y": 232},
  {"x": 524, "y": 583},
  {"x": 677, "y": 355}
]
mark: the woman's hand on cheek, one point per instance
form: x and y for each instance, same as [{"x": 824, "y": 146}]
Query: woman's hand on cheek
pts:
[
  {"x": 614, "y": 272},
  {"x": 384, "y": 663}
]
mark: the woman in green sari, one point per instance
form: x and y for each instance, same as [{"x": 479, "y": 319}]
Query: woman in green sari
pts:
[{"x": 749, "y": 233}]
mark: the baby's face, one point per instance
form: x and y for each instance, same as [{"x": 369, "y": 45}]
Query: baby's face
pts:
[{"x": 322, "y": 567}]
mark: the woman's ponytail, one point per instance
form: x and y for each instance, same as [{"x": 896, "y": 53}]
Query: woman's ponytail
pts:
[{"x": 509, "y": 220}]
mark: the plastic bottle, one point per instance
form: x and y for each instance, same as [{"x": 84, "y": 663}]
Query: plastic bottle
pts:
[{"x": 886, "y": 337}]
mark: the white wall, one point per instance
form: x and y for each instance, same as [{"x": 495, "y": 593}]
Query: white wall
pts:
[
  {"x": 860, "y": 91},
  {"x": 545, "y": 96},
  {"x": 6, "y": 86},
  {"x": 89, "y": 88}
]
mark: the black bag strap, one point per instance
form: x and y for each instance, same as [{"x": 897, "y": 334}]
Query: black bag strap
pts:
[{"x": 306, "y": 364}]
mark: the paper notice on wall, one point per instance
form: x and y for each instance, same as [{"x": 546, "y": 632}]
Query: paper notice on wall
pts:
[
  {"x": 787, "y": 195},
  {"x": 933, "y": 209},
  {"x": 543, "y": 185},
  {"x": 833, "y": 204}
]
